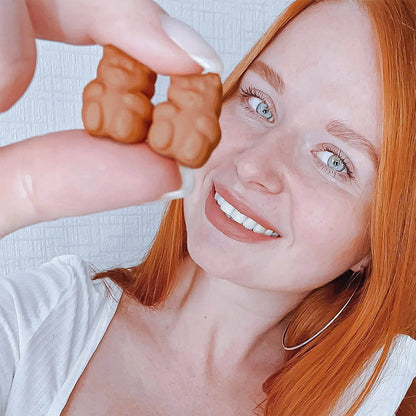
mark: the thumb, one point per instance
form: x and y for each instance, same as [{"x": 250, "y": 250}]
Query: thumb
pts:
[
  {"x": 141, "y": 28},
  {"x": 145, "y": 31}
]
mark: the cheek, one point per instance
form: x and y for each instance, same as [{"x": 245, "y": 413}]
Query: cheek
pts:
[{"x": 335, "y": 230}]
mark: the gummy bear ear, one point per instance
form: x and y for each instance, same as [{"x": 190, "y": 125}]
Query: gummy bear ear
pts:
[{"x": 188, "y": 183}]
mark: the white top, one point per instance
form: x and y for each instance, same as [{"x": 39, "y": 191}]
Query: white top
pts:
[{"x": 53, "y": 318}]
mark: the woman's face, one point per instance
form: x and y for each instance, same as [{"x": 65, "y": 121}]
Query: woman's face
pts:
[{"x": 298, "y": 155}]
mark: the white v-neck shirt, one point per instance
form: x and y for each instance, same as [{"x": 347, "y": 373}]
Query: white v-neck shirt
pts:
[{"x": 52, "y": 319}]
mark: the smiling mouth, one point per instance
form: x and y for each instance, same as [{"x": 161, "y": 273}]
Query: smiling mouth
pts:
[
  {"x": 225, "y": 213},
  {"x": 245, "y": 221}
]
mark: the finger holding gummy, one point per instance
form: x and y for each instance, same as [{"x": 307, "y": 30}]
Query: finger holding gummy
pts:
[
  {"x": 142, "y": 29},
  {"x": 145, "y": 32}
]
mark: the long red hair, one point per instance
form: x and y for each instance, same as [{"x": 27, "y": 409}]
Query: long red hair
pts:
[{"x": 314, "y": 377}]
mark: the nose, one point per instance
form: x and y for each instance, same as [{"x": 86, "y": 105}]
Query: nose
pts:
[{"x": 258, "y": 168}]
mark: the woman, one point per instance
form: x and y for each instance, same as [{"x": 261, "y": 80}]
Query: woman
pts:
[{"x": 316, "y": 158}]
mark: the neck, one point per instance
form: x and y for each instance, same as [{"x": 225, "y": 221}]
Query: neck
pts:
[{"x": 225, "y": 325}]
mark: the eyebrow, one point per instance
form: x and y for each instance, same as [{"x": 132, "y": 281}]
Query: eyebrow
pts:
[
  {"x": 335, "y": 127},
  {"x": 349, "y": 136},
  {"x": 269, "y": 74}
]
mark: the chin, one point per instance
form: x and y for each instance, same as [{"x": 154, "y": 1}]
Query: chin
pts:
[
  {"x": 210, "y": 261},
  {"x": 212, "y": 252},
  {"x": 216, "y": 264}
]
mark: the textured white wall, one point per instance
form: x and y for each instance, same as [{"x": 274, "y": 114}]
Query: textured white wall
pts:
[{"x": 53, "y": 102}]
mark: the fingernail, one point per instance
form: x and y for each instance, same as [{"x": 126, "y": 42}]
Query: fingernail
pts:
[
  {"x": 188, "y": 182},
  {"x": 193, "y": 44}
]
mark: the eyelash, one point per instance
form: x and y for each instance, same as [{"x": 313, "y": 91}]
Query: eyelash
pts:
[
  {"x": 345, "y": 176},
  {"x": 250, "y": 91}
]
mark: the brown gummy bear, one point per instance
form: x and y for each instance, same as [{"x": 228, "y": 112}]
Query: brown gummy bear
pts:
[
  {"x": 186, "y": 127},
  {"x": 117, "y": 103}
]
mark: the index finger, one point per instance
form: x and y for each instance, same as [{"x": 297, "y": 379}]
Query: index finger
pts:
[{"x": 141, "y": 28}]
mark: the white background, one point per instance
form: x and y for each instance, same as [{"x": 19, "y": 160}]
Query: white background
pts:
[{"x": 53, "y": 102}]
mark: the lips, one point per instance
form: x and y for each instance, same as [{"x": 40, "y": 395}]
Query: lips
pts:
[
  {"x": 229, "y": 227},
  {"x": 243, "y": 208}
]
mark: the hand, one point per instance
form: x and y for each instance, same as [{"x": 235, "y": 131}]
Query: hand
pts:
[{"x": 72, "y": 173}]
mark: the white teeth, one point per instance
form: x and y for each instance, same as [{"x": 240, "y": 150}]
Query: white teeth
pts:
[
  {"x": 259, "y": 229},
  {"x": 226, "y": 207},
  {"x": 249, "y": 224},
  {"x": 240, "y": 218}
]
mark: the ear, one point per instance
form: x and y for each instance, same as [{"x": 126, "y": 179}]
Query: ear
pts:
[{"x": 362, "y": 264}]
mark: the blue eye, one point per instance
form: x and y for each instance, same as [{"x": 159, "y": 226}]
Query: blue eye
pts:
[
  {"x": 334, "y": 161},
  {"x": 257, "y": 102},
  {"x": 260, "y": 107}
]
